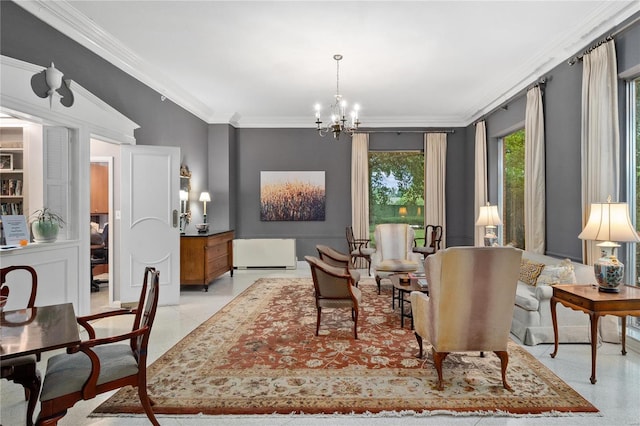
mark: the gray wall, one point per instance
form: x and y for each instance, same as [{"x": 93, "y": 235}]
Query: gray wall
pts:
[
  {"x": 562, "y": 108},
  {"x": 228, "y": 161},
  {"x": 24, "y": 37},
  {"x": 302, "y": 149}
]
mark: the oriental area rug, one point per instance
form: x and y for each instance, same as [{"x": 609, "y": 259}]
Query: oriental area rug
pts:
[{"x": 259, "y": 355}]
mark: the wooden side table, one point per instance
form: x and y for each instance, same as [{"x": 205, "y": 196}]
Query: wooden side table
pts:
[
  {"x": 404, "y": 289},
  {"x": 589, "y": 300}
]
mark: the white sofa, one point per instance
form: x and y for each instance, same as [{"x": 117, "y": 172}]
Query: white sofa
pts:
[{"x": 532, "y": 314}]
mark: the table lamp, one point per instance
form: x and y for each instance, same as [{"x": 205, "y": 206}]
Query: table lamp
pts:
[
  {"x": 205, "y": 197},
  {"x": 490, "y": 219},
  {"x": 609, "y": 222}
]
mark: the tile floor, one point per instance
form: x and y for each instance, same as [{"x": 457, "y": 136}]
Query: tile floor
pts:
[{"x": 616, "y": 395}]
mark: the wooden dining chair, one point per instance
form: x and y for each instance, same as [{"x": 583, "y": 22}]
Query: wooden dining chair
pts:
[
  {"x": 22, "y": 370},
  {"x": 100, "y": 365},
  {"x": 431, "y": 241},
  {"x": 359, "y": 248}
]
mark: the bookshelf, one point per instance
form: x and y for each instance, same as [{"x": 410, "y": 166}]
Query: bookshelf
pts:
[{"x": 12, "y": 171}]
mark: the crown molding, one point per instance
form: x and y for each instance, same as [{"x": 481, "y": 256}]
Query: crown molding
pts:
[
  {"x": 301, "y": 122},
  {"x": 68, "y": 20}
]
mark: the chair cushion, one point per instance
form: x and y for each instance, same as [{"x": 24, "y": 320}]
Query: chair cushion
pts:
[
  {"x": 355, "y": 275},
  {"x": 366, "y": 251},
  {"x": 529, "y": 271},
  {"x": 341, "y": 303},
  {"x": 67, "y": 373},
  {"x": 397, "y": 265},
  {"x": 424, "y": 250}
]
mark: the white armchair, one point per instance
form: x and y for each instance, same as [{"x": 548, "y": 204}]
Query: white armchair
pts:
[
  {"x": 470, "y": 303},
  {"x": 394, "y": 251}
]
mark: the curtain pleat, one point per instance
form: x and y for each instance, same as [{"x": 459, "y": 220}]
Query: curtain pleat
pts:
[
  {"x": 534, "y": 173},
  {"x": 480, "y": 195},
  {"x": 360, "y": 188},
  {"x": 600, "y": 134},
  {"x": 435, "y": 167}
]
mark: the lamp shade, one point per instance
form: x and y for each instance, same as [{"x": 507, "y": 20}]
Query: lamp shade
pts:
[
  {"x": 184, "y": 195},
  {"x": 204, "y": 196},
  {"x": 609, "y": 222},
  {"x": 488, "y": 216}
]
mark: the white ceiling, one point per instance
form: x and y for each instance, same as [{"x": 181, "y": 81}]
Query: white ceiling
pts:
[{"x": 266, "y": 63}]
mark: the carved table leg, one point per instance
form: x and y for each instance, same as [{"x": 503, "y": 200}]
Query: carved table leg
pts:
[
  {"x": 594, "y": 344},
  {"x": 554, "y": 320}
]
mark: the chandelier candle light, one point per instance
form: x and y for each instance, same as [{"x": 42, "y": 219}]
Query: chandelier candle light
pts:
[
  {"x": 609, "y": 222},
  {"x": 490, "y": 219},
  {"x": 339, "y": 122}
]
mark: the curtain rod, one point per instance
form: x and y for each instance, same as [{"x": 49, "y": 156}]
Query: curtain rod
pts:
[
  {"x": 408, "y": 131},
  {"x": 572, "y": 61},
  {"x": 505, "y": 105}
]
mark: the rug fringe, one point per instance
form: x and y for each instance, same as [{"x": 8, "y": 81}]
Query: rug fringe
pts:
[{"x": 388, "y": 414}]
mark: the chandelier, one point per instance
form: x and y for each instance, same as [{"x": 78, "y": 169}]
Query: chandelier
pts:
[{"x": 339, "y": 122}]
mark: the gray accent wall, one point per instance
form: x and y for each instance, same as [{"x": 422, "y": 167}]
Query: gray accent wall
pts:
[
  {"x": 562, "y": 101},
  {"x": 303, "y": 150}
]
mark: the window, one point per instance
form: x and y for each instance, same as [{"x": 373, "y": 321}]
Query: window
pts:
[
  {"x": 396, "y": 189},
  {"x": 513, "y": 189}
]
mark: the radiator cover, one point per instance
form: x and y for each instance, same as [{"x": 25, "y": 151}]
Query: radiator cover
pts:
[{"x": 265, "y": 253}]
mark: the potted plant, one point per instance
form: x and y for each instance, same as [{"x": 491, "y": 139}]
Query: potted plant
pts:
[{"x": 45, "y": 225}]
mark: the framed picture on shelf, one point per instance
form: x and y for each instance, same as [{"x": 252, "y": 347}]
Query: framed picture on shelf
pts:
[{"x": 6, "y": 161}]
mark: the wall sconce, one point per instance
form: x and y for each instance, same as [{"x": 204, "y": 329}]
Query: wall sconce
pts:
[
  {"x": 184, "y": 216},
  {"x": 402, "y": 211},
  {"x": 490, "y": 219},
  {"x": 205, "y": 197},
  {"x": 54, "y": 81}
]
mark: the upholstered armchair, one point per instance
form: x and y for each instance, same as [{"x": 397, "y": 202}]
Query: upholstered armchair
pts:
[
  {"x": 471, "y": 297},
  {"x": 338, "y": 259},
  {"x": 334, "y": 289},
  {"x": 394, "y": 244}
]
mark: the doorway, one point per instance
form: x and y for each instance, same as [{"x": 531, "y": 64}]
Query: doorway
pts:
[{"x": 101, "y": 246}]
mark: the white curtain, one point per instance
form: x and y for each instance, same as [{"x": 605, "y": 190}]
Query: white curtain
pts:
[
  {"x": 435, "y": 168},
  {"x": 534, "y": 173},
  {"x": 600, "y": 134},
  {"x": 480, "y": 196},
  {"x": 360, "y": 188}
]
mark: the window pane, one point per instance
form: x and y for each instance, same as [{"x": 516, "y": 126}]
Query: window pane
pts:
[
  {"x": 513, "y": 189},
  {"x": 396, "y": 189}
]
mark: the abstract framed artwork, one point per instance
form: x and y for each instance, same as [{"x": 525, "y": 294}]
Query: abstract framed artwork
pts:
[{"x": 292, "y": 196}]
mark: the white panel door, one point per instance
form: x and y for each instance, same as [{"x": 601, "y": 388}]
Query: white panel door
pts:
[{"x": 150, "y": 234}]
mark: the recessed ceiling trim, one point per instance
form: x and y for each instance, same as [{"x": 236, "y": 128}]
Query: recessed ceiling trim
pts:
[{"x": 77, "y": 26}]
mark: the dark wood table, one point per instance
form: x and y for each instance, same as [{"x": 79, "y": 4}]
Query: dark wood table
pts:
[
  {"x": 402, "y": 290},
  {"x": 36, "y": 330},
  {"x": 31, "y": 332},
  {"x": 588, "y": 299}
]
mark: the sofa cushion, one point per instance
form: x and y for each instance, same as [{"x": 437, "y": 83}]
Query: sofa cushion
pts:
[
  {"x": 529, "y": 271},
  {"x": 561, "y": 273},
  {"x": 525, "y": 297}
]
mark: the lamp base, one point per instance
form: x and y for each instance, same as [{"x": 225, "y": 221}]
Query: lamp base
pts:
[{"x": 609, "y": 273}]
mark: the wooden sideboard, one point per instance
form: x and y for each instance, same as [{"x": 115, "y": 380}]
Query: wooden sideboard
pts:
[{"x": 204, "y": 257}]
